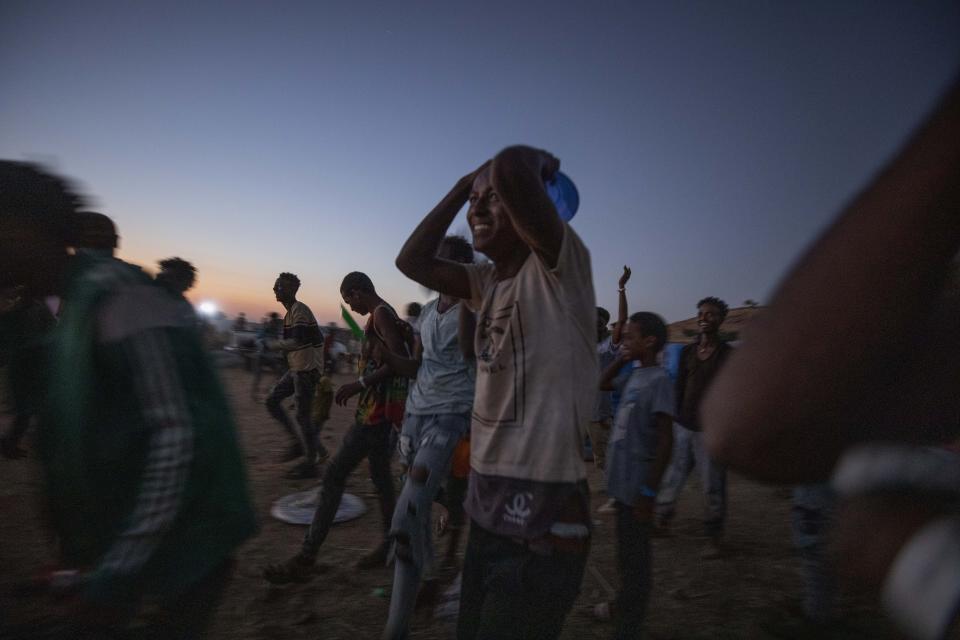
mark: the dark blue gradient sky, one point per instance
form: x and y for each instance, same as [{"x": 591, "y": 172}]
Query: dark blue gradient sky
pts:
[{"x": 710, "y": 141}]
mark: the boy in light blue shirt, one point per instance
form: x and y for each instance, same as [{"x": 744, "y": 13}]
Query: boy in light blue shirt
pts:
[{"x": 638, "y": 454}]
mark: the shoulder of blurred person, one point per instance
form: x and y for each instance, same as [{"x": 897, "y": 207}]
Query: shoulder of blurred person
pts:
[{"x": 122, "y": 345}]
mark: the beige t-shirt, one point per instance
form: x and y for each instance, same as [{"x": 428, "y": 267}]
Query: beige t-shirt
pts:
[{"x": 537, "y": 378}]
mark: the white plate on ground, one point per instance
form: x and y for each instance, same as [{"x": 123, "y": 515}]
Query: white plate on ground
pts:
[{"x": 298, "y": 508}]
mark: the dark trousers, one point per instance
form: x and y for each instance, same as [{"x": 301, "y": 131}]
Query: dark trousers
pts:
[
  {"x": 302, "y": 385},
  {"x": 511, "y": 593},
  {"x": 361, "y": 441},
  {"x": 454, "y": 495},
  {"x": 633, "y": 556},
  {"x": 689, "y": 452}
]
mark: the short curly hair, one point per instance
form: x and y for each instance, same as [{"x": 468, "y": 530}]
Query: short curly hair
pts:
[
  {"x": 177, "y": 264},
  {"x": 291, "y": 278},
  {"x": 716, "y": 302},
  {"x": 651, "y": 325},
  {"x": 356, "y": 280},
  {"x": 179, "y": 267}
]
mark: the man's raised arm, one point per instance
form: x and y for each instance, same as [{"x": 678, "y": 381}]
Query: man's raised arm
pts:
[
  {"x": 418, "y": 258},
  {"x": 518, "y": 174},
  {"x": 818, "y": 365}
]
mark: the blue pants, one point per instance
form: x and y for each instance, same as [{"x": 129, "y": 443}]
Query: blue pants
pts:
[
  {"x": 688, "y": 452},
  {"x": 811, "y": 517},
  {"x": 426, "y": 447}
]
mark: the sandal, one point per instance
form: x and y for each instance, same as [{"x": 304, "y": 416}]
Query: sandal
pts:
[{"x": 299, "y": 568}]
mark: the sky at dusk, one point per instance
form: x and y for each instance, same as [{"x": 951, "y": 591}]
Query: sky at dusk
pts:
[{"x": 710, "y": 141}]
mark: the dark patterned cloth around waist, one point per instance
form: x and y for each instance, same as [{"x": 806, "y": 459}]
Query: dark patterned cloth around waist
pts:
[{"x": 537, "y": 512}]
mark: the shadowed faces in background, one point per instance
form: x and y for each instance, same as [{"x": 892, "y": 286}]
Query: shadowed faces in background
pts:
[{"x": 177, "y": 275}]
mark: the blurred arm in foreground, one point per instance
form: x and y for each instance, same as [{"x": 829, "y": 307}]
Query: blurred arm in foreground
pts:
[{"x": 860, "y": 344}]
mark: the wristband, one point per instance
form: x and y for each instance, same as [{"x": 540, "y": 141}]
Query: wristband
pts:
[
  {"x": 621, "y": 290},
  {"x": 879, "y": 467},
  {"x": 922, "y": 588},
  {"x": 647, "y": 492}
]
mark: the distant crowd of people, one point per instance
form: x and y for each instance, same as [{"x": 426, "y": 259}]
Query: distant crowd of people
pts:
[{"x": 487, "y": 397}]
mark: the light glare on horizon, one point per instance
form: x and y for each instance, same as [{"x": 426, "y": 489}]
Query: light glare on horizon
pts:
[{"x": 207, "y": 308}]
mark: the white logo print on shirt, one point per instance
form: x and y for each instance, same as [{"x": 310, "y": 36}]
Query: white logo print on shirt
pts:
[{"x": 519, "y": 510}]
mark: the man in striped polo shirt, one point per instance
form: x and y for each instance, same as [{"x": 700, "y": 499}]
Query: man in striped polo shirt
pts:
[{"x": 303, "y": 344}]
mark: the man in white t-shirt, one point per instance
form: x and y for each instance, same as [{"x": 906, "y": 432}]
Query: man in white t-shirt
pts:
[{"x": 536, "y": 382}]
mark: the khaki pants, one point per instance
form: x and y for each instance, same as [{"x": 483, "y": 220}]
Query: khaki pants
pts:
[{"x": 599, "y": 437}]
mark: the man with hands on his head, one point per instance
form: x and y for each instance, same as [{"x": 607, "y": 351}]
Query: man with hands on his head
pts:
[{"x": 536, "y": 374}]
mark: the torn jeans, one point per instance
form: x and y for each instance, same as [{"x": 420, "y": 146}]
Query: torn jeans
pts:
[{"x": 426, "y": 447}]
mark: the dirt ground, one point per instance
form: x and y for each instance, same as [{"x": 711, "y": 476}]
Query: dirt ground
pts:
[{"x": 744, "y": 594}]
